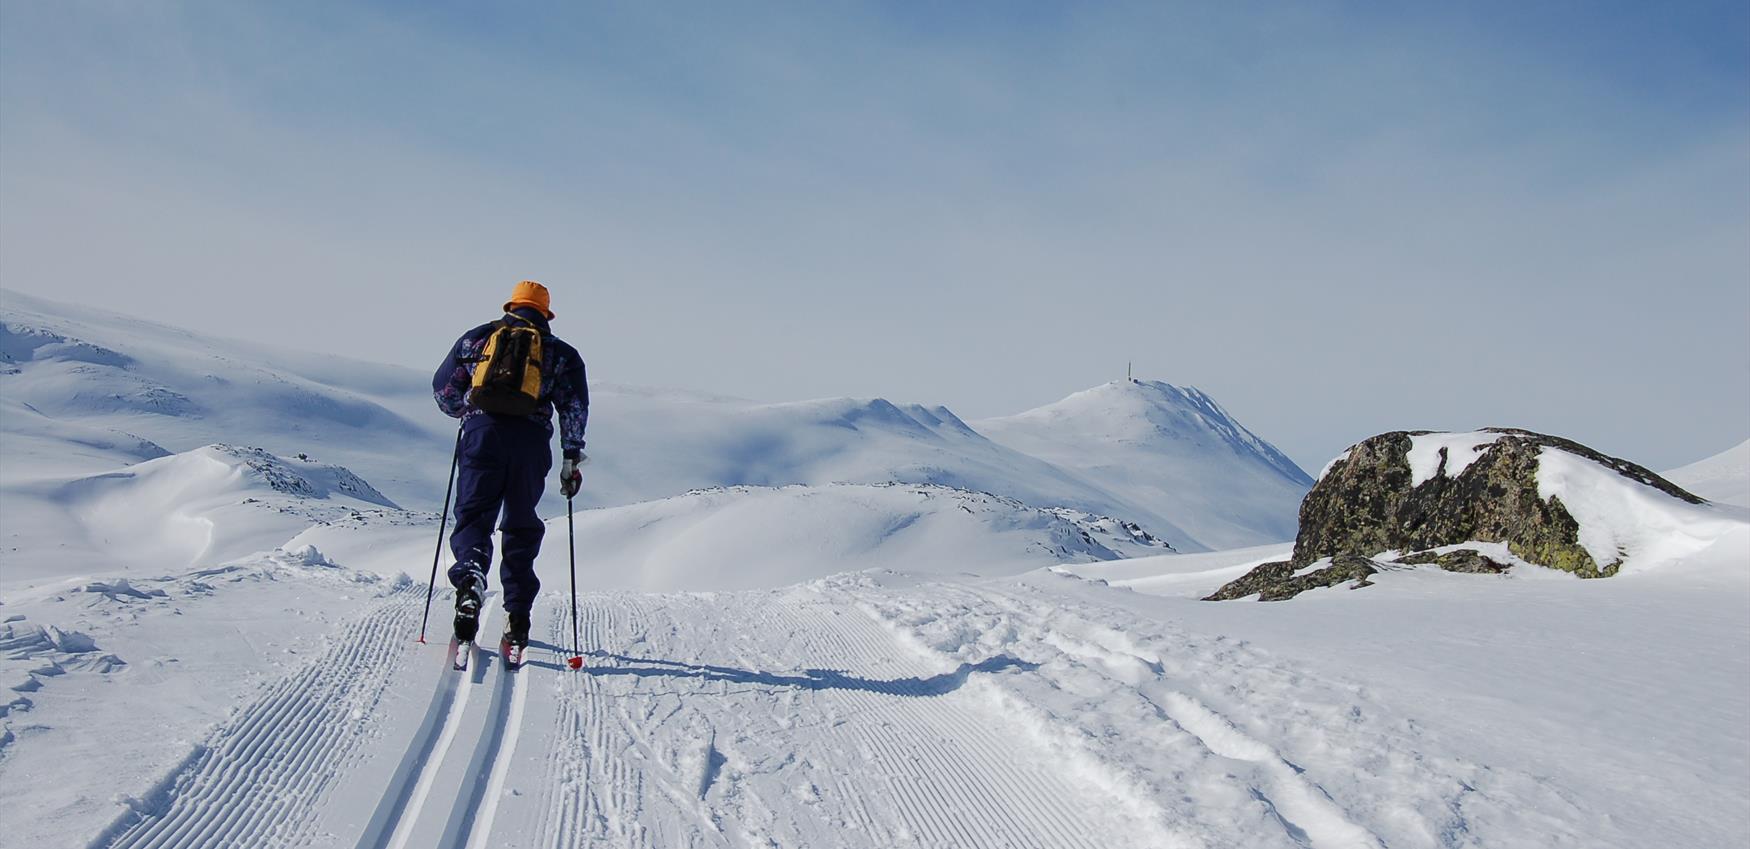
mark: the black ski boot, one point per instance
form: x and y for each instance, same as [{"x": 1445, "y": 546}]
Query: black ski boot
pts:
[
  {"x": 469, "y": 597},
  {"x": 516, "y": 639}
]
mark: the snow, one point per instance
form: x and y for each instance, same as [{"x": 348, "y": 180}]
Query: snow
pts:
[
  {"x": 1161, "y": 574},
  {"x": 198, "y": 508},
  {"x": 749, "y": 537},
  {"x": 1724, "y": 477},
  {"x": 1333, "y": 463},
  {"x": 1616, "y": 706},
  {"x": 1153, "y": 443},
  {"x": 1461, "y": 450},
  {"x": 805, "y": 625},
  {"x": 88, "y": 392},
  {"x": 1623, "y": 520}
]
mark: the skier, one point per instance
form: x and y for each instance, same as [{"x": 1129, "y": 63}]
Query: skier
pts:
[{"x": 504, "y": 380}]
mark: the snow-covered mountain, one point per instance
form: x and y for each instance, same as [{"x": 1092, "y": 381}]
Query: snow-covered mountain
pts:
[
  {"x": 646, "y": 445},
  {"x": 84, "y": 392},
  {"x": 1173, "y": 449}
]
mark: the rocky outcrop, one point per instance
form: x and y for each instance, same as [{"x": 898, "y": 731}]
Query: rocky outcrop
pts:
[
  {"x": 1467, "y": 560},
  {"x": 1460, "y": 488},
  {"x": 1278, "y": 581}
]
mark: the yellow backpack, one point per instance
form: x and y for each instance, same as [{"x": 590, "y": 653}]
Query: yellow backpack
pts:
[{"x": 507, "y": 375}]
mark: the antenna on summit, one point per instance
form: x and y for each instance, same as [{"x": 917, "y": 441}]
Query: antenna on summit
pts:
[{"x": 1128, "y": 377}]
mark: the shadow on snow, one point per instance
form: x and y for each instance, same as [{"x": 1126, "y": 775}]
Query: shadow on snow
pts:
[{"x": 807, "y": 679}]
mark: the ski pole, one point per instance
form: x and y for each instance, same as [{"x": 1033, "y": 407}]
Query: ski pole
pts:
[
  {"x": 443, "y": 524},
  {"x": 576, "y": 661}
]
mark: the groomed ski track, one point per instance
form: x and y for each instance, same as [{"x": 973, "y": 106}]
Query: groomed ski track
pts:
[{"x": 861, "y": 711}]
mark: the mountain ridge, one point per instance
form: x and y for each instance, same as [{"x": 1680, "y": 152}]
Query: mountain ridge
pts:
[{"x": 112, "y": 391}]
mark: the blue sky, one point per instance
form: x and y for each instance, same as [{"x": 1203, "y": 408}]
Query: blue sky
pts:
[{"x": 1337, "y": 219}]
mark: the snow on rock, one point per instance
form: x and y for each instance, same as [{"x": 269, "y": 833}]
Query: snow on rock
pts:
[
  {"x": 1622, "y": 521},
  {"x": 1332, "y": 464},
  {"x": 306, "y": 478},
  {"x": 1550, "y": 500},
  {"x": 1170, "y": 449},
  {"x": 1446, "y": 454},
  {"x": 1724, "y": 477}
]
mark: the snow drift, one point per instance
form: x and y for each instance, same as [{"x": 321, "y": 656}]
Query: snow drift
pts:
[{"x": 204, "y": 507}]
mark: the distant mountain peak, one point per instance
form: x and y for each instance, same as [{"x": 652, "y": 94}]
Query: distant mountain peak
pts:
[
  {"x": 1171, "y": 448},
  {"x": 1156, "y": 414}
]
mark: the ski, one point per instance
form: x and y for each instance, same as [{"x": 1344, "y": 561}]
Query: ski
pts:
[{"x": 459, "y": 654}]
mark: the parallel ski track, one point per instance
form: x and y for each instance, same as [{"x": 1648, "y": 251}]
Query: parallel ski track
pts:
[
  {"x": 405, "y": 798},
  {"x": 477, "y": 799},
  {"x": 942, "y": 769},
  {"x": 956, "y": 782},
  {"x": 471, "y": 805},
  {"x": 942, "y": 774},
  {"x": 412, "y": 771},
  {"x": 263, "y": 777}
]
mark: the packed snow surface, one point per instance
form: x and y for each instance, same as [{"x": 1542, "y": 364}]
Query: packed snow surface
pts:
[{"x": 880, "y": 709}]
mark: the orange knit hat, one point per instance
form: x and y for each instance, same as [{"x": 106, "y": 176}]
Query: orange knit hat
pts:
[{"x": 529, "y": 294}]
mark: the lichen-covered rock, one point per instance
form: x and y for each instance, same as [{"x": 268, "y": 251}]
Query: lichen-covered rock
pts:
[
  {"x": 1277, "y": 581},
  {"x": 1417, "y": 490},
  {"x": 1467, "y": 560}
]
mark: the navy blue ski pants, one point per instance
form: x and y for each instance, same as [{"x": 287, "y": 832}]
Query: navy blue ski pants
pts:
[{"x": 503, "y": 469}]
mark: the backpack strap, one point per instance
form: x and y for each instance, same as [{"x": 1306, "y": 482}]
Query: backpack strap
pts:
[
  {"x": 519, "y": 321},
  {"x": 496, "y": 326}
]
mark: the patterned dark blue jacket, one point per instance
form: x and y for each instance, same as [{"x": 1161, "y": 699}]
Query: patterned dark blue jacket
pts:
[{"x": 563, "y": 385}]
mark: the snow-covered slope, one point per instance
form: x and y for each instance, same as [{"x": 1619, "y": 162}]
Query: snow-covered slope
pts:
[
  {"x": 1172, "y": 448},
  {"x": 86, "y": 391},
  {"x": 198, "y": 508},
  {"x": 1724, "y": 477},
  {"x": 746, "y": 537}
]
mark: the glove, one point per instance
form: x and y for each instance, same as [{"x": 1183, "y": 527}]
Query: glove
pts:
[{"x": 570, "y": 477}]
